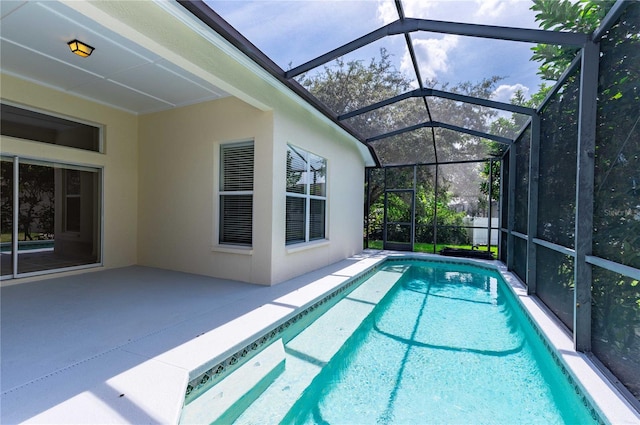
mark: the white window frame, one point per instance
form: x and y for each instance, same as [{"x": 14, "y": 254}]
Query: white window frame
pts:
[
  {"x": 308, "y": 197},
  {"x": 230, "y": 245}
]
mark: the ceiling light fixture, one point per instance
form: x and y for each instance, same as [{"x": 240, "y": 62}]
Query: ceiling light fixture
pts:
[{"x": 80, "y": 49}]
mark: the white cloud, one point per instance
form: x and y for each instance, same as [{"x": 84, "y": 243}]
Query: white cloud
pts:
[
  {"x": 432, "y": 55},
  {"x": 510, "y": 13},
  {"x": 420, "y": 8},
  {"x": 505, "y": 92},
  {"x": 387, "y": 11},
  {"x": 490, "y": 8}
]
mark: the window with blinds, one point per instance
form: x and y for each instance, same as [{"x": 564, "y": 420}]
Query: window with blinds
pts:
[
  {"x": 236, "y": 194},
  {"x": 306, "y": 196}
]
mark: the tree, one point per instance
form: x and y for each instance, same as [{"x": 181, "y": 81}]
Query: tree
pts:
[
  {"x": 565, "y": 15},
  {"x": 348, "y": 86},
  {"x": 507, "y": 127},
  {"x": 6, "y": 205},
  {"x": 36, "y": 191}
]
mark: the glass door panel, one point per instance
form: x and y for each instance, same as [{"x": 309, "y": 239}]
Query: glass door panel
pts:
[
  {"x": 36, "y": 216},
  {"x": 59, "y": 217},
  {"x": 6, "y": 216}
]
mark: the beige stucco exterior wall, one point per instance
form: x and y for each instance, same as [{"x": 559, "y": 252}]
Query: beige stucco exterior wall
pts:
[
  {"x": 119, "y": 160},
  {"x": 345, "y": 191},
  {"x": 178, "y": 204}
]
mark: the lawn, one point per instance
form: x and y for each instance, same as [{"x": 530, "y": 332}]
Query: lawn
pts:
[{"x": 428, "y": 247}]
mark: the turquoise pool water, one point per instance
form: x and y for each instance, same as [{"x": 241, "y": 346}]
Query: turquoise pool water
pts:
[{"x": 443, "y": 346}]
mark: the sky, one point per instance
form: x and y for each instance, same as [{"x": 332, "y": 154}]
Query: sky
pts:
[{"x": 293, "y": 32}]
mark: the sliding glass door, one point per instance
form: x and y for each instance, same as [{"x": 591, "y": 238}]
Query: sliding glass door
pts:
[{"x": 50, "y": 216}]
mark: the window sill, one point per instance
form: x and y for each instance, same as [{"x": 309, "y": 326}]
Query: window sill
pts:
[
  {"x": 232, "y": 249},
  {"x": 304, "y": 246}
]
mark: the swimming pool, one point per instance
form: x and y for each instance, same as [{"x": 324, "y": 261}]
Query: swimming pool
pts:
[
  {"x": 443, "y": 347},
  {"x": 418, "y": 342}
]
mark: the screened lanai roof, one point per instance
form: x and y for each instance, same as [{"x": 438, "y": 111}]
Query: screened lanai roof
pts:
[{"x": 459, "y": 61}]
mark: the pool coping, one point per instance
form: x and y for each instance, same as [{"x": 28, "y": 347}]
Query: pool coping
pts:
[{"x": 603, "y": 395}]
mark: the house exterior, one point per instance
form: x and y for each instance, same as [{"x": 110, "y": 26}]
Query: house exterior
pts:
[{"x": 158, "y": 188}]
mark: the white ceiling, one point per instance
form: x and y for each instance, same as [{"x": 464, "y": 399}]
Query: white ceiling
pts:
[{"x": 119, "y": 73}]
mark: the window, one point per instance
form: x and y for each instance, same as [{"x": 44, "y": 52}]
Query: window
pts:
[
  {"x": 25, "y": 124},
  {"x": 236, "y": 194},
  {"x": 306, "y": 196}
]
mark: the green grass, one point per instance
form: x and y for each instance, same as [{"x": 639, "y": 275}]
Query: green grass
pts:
[
  {"x": 428, "y": 247},
  {"x": 6, "y": 237}
]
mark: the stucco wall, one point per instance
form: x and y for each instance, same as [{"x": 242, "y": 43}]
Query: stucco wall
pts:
[
  {"x": 345, "y": 192},
  {"x": 178, "y": 206},
  {"x": 119, "y": 160}
]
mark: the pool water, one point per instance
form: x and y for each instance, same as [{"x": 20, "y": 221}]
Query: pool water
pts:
[{"x": 442, "y": 347}]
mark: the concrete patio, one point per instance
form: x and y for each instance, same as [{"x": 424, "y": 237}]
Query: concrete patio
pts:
[{"x": 119, "y": 346}]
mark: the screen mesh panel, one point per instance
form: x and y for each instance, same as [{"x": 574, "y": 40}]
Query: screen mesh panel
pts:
[
  {"x": 399, "y": 178},
  {"x": 522, "y": 182},
  {"x": 557, "y": 181},
  {"x": 454, "y": 146},
  {"x": 504, "y": 192},
  {"x": 396, "y": 116},
  {"x": 425, "y": 203},
  {"x": 375, "y": 205},
  {"x": 415, "y": 147},
  {"x": 556, "y": 283},
  {"x": 616, "y": 233},
  {"x": 520, "y": 258},
  {"x": 615, "y": 317}
]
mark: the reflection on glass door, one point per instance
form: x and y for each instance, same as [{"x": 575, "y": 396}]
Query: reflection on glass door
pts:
[
  {"x": 58, "y": 217},
  {"x": 6, "y": 216}
]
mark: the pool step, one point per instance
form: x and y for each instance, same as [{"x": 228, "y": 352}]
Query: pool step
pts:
[
  {"x": 225, "y": 401},
  {"x": 314, "y": 347}
]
